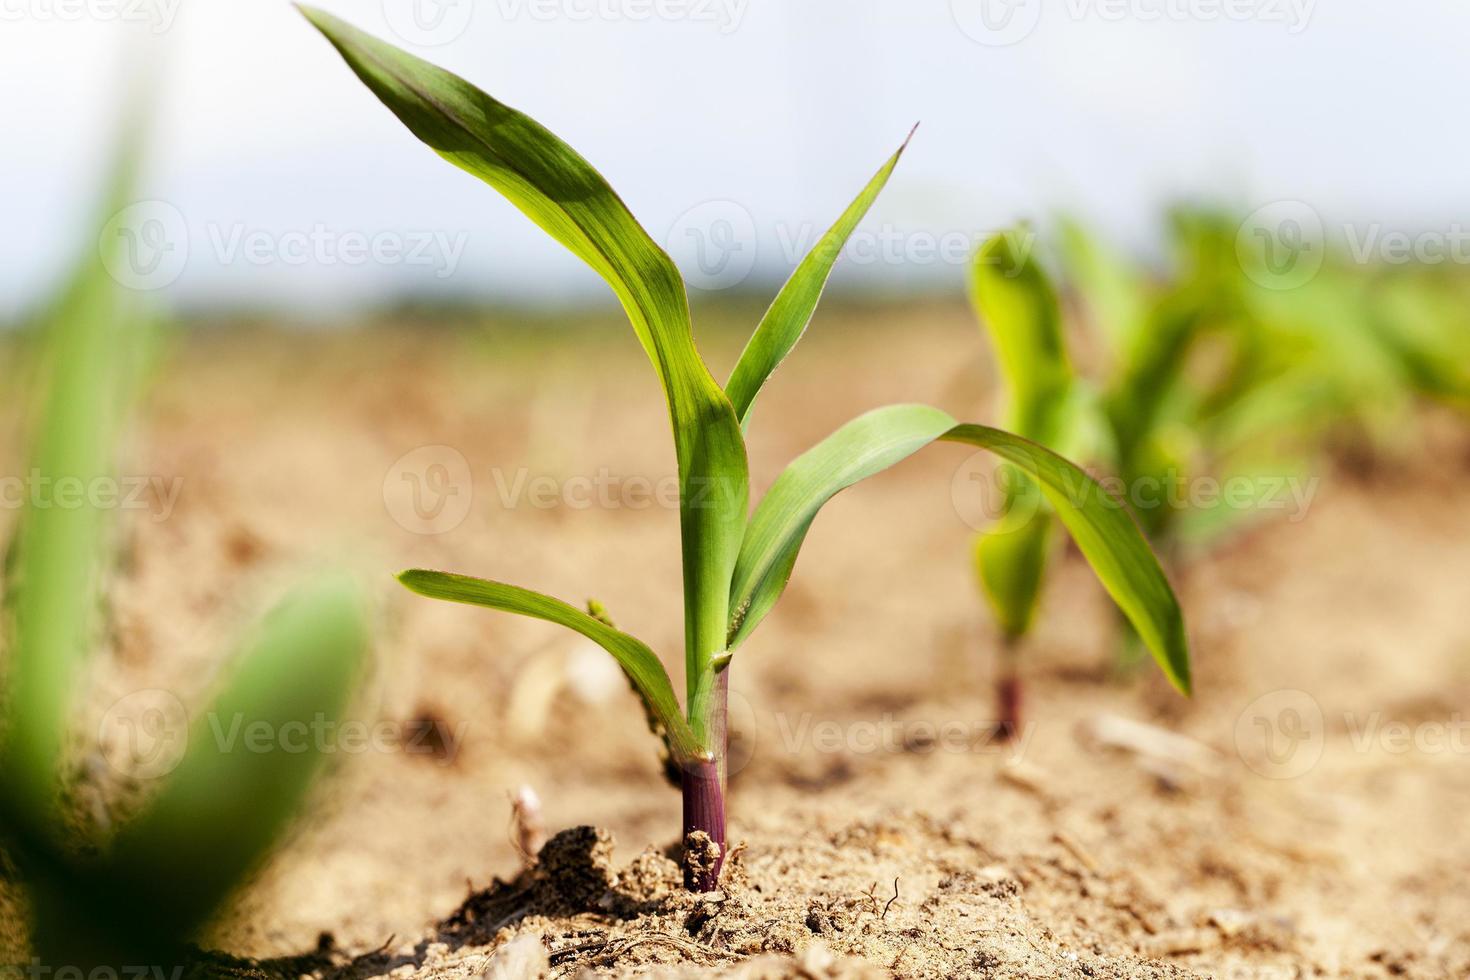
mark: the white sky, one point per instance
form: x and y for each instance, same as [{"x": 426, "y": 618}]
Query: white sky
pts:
[{"x": 785, "y": 107}]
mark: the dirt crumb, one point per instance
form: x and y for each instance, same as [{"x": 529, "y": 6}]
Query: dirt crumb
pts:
[
  {"x": 701, "y": 856},
  {"x": 575, "y": 867}
]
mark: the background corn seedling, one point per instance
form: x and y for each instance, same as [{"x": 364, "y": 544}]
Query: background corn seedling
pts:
[
  {"x": 1220, "y": 368},
  {"x": 134, "y": 893},
  {"x": 736, "y": 563}
]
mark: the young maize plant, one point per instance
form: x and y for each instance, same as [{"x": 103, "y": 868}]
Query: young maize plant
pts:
[
  {"x": 132, "y": 894},
  {"x": 1045, "y": 402},
  {"x": 736, "y": 562},
  {"x": 1211, "y": 374},
  {"x": 1152, "y": 423}
]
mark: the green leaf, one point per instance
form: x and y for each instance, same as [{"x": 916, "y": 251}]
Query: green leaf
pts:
[
  {"x": 1151, "y": 372},
  {"x": 792, "y": 310},
  {"x": 562, "y": 193},
  {"x": 645, "y": 671},
  {"x": 1101, "y": 526},
  {"x": 1011, "y": 558},
  {"x": 1112, "y": 289},
  {"x": 1019, "y": 309},
  {"x": 57, "y": 557},
  {"x": 226, "y": 803}
]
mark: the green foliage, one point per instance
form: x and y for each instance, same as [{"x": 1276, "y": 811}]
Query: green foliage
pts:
[
  {"x": 562, "y": 193},
  {"x": 1019, "y": 308},
  {"x": 1220, "y": 367},
  {"x": 150, "y": 885},
  {"x": 644, "y": 670},
  {"x": 734, "y": 569},
  {"x": 787, "y": 319}
]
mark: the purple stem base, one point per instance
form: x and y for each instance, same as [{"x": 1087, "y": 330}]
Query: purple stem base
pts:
[
  {"x": 1008, "y": 706},
  {"x": 704, "y": 810}
]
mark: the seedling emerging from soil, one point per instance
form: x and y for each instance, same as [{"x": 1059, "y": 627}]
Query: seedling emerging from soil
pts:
[
  {"x": 736, "y": 563},
  {"x": 1044, "y": 403},
  {"x": 110, "y": 895}
]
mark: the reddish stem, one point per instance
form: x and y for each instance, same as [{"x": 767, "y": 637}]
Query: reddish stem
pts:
[
  {"x": 1008, "y": 704},
  {"x": 704, "y": 811},
  {"x": 1008, "y": 693},
  {"x": 704, "y": 800}
]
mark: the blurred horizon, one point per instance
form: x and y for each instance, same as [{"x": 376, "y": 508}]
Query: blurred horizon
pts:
[{"x": 276, "y": 184}]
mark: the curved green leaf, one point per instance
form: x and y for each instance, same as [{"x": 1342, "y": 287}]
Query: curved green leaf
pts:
[
  {"x": 1019, "y": 308},
  {"x": 228, "y": 800},
  {"x": 642, "y": 666},
  {"x": 561, "y": 192},
  {"x": 56, "y": 559},
  {"x": 792, "y": 310},
  {"x": 871, "y": 443},
  {"x": 1011, "y": 563}
]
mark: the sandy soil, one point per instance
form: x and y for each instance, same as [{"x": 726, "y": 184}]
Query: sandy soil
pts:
[{"x": 1304, "y": 818}]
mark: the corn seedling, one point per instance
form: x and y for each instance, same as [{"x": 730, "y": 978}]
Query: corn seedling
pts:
[
  {"x": 1152, "y": 420},
  {"x": 133, "y": 893},
  {"x": 1045, "y": 402},
  {"x": 1205, "y": 373},
  {"x": 736, "y": 563}
]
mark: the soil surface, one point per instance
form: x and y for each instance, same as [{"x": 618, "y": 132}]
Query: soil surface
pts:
[{"x": 1302, "y": 816}]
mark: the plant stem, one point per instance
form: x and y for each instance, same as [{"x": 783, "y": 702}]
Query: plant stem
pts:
[
  {"x": 704, "y": 802},
  {"x": 1008, "y": 691}
]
